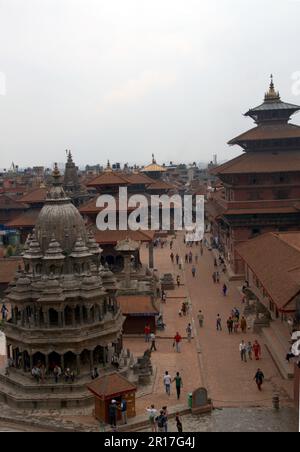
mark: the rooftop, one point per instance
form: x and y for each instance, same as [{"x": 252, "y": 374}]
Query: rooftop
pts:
[
  {"x": 27, "y": 219},
  {"x": 261, "y": 162},
  {"x": 275, "y": 260},
  {"x": 276, "y": 131},
  {"x": 36, "y": 196},
  {"x": 137, "y": 305},
  {"x": 111, "y": 385}
]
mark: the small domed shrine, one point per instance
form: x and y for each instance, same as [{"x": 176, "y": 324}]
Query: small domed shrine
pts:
[{"x": 64, "y": 320}]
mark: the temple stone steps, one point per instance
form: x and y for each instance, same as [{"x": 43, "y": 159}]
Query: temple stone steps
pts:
[
  {"x": 278, "y": 347},
  {"x": 21, "y": 400}
]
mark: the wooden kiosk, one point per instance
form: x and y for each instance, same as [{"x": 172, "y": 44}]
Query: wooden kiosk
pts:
[{"x": 110, "y": 387}]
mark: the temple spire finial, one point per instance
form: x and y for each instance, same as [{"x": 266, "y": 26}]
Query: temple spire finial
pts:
[
  {"x": 108, "y": 167},
  {"x": 272, "y": 94},
  {"x": 56, "y": 172},
  {"x": 153, "y": 159}
]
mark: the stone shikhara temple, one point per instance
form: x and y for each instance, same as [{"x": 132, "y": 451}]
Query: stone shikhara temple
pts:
[{"x": 64, "y": 311}]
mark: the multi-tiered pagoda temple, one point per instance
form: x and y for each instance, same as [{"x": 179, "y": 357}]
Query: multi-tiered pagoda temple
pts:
[
  {"x": 63, "y": 317},
  {"x": 262, "y": 186}
]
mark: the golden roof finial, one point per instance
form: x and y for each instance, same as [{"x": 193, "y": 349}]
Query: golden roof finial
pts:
[
  {"x": 108, "y": 167},
  {"x": 56, "y": 174},
  {"x": 153, "y": 159},
  {"x": 272, "y": 94}
]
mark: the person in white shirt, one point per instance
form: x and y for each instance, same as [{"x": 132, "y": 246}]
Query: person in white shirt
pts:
[
  {"x": 243, "y": 351},
  {"x": 152, "y": 416},
  {"x": 153, "y": 342},
  {"x": 167, "y": 383}
]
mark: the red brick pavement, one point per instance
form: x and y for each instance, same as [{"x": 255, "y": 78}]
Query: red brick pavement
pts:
[{"x": 212, "y": 359}]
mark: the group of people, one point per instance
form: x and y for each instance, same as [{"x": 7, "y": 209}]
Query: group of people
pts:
[
  {"x": 185, "y": 309},
  {"x": 168, "y": 381},
  {"x": 159, "y": 421},
  {"x": 247, "y": 350},
  {"x": 38, "y": 372},
  {"x": 114, "y": 408},
  {"x": 235, "y": 323}
]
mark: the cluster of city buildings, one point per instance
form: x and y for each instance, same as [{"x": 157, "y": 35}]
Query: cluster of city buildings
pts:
[{"x": 73, "y": 290}]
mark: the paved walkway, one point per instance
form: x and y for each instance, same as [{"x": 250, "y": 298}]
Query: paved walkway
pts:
[
  {"x": 259, "y": 420},
  {"x": 212, "y": 359}
]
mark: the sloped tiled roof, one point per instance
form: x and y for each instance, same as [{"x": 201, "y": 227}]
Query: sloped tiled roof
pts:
[
  {"x": 27, "y": 219},
  {"x": 109, "y": 178},
  {"x": 268, "y": 132},
  {"x": 111, "y": 385},
  {"x": 7, "y": 202},
  {"x": 275, "y": 260},
  {"x": 137, "y": 304},
  {"x": 261, "y": 162},
  {"x": 35, "y": 196},
  {"x": 113, "y": 237}
]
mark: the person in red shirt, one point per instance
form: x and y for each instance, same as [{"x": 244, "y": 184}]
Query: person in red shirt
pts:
[
  {"x": 147, "y": 333},
  {"x": 177, "y": 342},
  {"x": 257, "y": 350}
]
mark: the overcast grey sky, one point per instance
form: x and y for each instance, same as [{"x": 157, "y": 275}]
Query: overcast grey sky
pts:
[{"x": 122, "y": 79}]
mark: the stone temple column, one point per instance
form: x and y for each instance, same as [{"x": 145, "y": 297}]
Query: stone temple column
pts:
[
  {"x": 47, "y": 362},
  {"x": 78, "y": 363},
  {"x": 81, "y": 315},
  {"x": 92, "y": 359},
  {"x": 73, "y": 317}
]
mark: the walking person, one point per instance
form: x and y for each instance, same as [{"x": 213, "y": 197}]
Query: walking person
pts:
[
  {"x": 152, "y": 416},
  {"x": 230, "y": 325},
  {"x": 201, "y": 319},
  {"x": 259, "y": 379},
  {"x": 244, "y": 325},
  {"x": 194, "y": 271},
  {"x": 167, "y": 383},
  {"x": 243, "y": 351},
  {"x": 249, "y": 351},
  {"x": 236, "y": 325},
  {"x": 177, "y": 259},
  {"x": 147, "y": 332},
  {"x": 179, "y": 425},
  {"x": 172, "y": 257},
  {"x": 257, "y": 350},
  {"x": 179, "y": 384},
  {"x": 225, "y": 290},
  {"x": 177, "y": 342},
  {"x": 189, "y": 332},
  {"x": 178, "y": 281},
  {"x": 219, "y": 323},
  {"x": 214, "y": 278},
  {"x": 153, "y": 343},
  {"x": 217, "y": 277}
]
